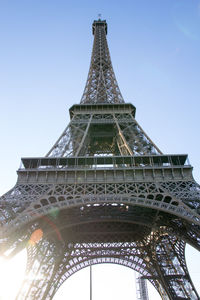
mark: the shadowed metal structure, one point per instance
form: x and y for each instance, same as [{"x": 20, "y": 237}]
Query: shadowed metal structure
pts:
[{"x": 104, "y": 193}]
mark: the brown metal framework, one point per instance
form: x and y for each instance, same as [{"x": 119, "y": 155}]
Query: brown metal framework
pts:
[{"x": 103, "y": 193}]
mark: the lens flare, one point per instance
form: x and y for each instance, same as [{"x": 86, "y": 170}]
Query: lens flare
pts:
[
  {"x": 187, "y": 19},
  {"x": 53, "y": 226},
  {"x": 36, "y": 236},
  {"x": 54, "y": 212}
]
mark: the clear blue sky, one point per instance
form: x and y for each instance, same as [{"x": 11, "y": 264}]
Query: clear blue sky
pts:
[{"x": 44, "y": 60}]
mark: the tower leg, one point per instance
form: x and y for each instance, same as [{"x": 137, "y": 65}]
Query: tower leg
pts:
[
  {"x": 39, "y": 271},
  {"x": 171, "y": 267}
]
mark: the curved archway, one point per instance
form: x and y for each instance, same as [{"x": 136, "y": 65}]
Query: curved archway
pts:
[
  {"x": 123, "y": 233},
  {"x": 148, "y": 195},
  {"x": 107, "y": 252},
  {"x": 109, "y": 281}
]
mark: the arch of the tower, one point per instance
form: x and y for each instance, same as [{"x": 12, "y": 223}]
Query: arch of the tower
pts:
[
  {"x": 76, "y": 258},
  {"x": 150, "y": 201},
  {"x": 72, "y": 232},
  {"x": 62, "y": 250},
  {"x": 79, "y": 224},
  {"x": 79, "y": 264},
  {"x": 59, "y": 252}
]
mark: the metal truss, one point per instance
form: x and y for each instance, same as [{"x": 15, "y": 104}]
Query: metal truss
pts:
[
  {"x": 77, "y": 211},
  {"x": 26, "y": 202},
  {"x": 103, "y": 223},
  {"x": 103, "y": 134},
  {"x": 101, "y": 85},
  {"x": 156, "y": 255},
  {"x": 103, "y": 193}
]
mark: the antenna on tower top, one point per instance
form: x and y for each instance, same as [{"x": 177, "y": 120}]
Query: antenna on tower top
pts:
[{"x": 99, "y": 15}]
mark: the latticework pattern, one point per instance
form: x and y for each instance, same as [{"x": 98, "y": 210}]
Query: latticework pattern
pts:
[
  {"x": 101, "y": 86},
  {"x": 103, "y": 193},
  {"x": 103, "y": 134}
]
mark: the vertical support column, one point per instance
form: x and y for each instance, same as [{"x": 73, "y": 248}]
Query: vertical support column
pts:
[
  {"x": 90, "y": 281},
  {"x": 40, "y": 267},
  {"x": 84, "y": 137},
  {"x": 124, "y": 147},
  {"x": 171, "y": 266},
  {"x": 141, "y": 288}
]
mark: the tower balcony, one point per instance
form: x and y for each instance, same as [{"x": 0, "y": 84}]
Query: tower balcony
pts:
[{"x": 105, "y": 169}]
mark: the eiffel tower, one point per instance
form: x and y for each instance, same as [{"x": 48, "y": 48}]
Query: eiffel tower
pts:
[{"x": 104, "y": 193}]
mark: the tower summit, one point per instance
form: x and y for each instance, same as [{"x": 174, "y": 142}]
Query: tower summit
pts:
[
  {"x": 101, "y": 85},
  {"x": 104, "y": 193}
]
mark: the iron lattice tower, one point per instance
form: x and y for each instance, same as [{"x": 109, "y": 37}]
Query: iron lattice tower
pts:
[{"x": 103, "y": 193}]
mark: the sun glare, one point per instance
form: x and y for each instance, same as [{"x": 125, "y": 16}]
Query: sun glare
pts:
[{"x": 12, "y": 273}]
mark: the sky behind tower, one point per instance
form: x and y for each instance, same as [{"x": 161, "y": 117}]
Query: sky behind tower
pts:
[{"x": 44, "y": 60}]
